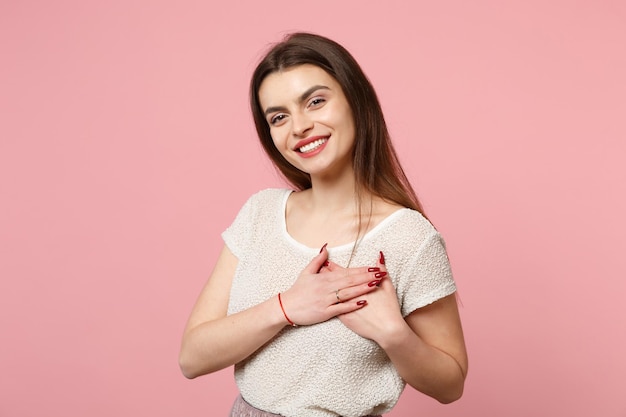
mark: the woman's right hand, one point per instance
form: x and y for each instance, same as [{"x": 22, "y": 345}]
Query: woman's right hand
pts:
[{"x": 321, "y": 293}]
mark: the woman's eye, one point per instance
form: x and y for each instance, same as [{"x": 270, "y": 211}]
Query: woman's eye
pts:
[
  {"x": 316, "y": 102},
  {"x": 277, "y": 119}
]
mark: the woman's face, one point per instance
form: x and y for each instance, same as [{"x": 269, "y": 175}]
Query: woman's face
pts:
[{"x": 310, "y": 120}]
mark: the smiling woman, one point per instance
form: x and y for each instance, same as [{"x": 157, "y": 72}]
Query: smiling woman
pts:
[
  {"x": 336, "y": 331},
  {"x": 309, "y": 116}
]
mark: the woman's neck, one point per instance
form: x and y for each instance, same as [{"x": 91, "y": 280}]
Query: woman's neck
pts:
[
  {"x": 333, "y": 195},
  {"x": 330, "y": 212}
]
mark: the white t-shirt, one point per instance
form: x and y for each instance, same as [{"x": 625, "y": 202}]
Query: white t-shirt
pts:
[{"x": 325, "y": 369}]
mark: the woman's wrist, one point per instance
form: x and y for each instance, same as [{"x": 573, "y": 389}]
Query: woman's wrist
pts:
[
  {"x": 282, "y": 307},
  {"x": 395, "y": 334}
]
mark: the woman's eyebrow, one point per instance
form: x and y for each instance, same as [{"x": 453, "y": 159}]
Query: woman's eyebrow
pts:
[{"x": 302, "y": 98}]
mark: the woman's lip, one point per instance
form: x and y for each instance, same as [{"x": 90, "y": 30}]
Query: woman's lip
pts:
[
  {"x": 315, "y": 151},
  {"x": 306, "y": 141}
]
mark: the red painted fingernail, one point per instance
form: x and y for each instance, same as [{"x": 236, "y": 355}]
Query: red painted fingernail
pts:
[
  {"x": 376, "y": 282},
  {"x": 326, "y": 263},
  {"x": 380, "y": 274},
  {"x": 373, "y": 269},
  {"x": 361, "y": 302},
  {"x": 382, "y": 258},
  {"x": 321, "y": 250}
]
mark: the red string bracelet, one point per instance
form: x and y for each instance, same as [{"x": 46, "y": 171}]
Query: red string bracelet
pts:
[{"x": 283, "y": 308}]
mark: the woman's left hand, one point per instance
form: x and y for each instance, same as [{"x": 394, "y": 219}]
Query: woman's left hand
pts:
[
  {"x": 427, "y": 347},
  {"x": 380, "y": 315}
]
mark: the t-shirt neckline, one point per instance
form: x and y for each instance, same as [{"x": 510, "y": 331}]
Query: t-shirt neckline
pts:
[{"x": 345, "y": 246}]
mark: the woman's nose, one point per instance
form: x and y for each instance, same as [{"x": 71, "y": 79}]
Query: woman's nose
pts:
[{"x": 301, "y": 124}]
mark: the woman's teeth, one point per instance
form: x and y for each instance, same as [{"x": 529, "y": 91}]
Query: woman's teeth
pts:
[{"x": 312, "y": 146}]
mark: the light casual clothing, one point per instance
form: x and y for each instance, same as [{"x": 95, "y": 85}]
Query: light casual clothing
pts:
[{"x": 326, "y": 370}]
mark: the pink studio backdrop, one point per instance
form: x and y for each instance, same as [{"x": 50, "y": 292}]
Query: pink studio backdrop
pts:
[{"x": 126, "y": 147}]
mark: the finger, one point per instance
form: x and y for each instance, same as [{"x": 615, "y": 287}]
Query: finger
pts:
[
  {"x": 349, "y": 293},
  {"x": 347, "y": 307},
  {"x": 333, "y": 266},
  {"x": 383, "y": 273},
  {"x": 324, "y": 267},
  {"x": 318, "y": 261},
  {"x": 355, "y": 277},
  {"x": 361, "y": 270}
]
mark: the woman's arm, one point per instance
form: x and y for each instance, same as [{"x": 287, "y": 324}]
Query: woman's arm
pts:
[
  {"x": 427, "y": 347},
  {"x": 428, "y": 350},
  {"x": 212, "y": 340}
]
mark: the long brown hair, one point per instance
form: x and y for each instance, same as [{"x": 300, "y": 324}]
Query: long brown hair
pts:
[{"x": 375, "y": 162}]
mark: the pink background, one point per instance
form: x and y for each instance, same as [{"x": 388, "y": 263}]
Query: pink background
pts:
[{"x": 126, "y": 147}]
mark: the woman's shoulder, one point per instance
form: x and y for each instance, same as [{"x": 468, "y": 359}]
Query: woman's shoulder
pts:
[
  {"x": 268, "y": 195},
  {"x": 405, "y": 218},
  {"x": 410, "y": 227}
]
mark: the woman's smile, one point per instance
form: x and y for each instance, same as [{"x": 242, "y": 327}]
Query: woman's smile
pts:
[
  {"x": 308, "y": 147},
  {"x": 310, "y": 119}
]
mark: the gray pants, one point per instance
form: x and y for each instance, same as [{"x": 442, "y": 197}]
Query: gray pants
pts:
[{"x": 242, "y": 409}]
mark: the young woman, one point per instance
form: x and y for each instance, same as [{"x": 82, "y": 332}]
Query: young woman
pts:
[{"x": 328, "y": 298}]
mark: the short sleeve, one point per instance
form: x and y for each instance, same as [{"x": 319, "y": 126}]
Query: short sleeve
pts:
[
  {"x": 428, "y": 277},
  {"x": 237, "y": 235}
]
